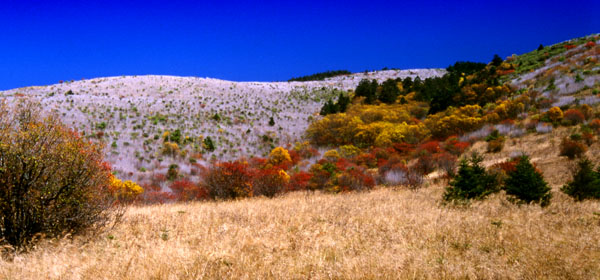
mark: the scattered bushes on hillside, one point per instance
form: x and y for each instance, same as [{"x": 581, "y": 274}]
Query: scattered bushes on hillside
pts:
[
  {"x": 472, "y": 181},
  {"x": 585, "y": 183},
  {"x": 53, "y": 182},
  {"x": 526, "y": 184},
  {"x": 572, "y": 148}
]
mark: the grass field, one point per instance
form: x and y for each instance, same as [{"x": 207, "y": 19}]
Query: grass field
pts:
[{"x": 382, "y": 234}]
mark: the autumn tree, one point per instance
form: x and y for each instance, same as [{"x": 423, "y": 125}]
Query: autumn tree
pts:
[{"x": 52, "y": 181}]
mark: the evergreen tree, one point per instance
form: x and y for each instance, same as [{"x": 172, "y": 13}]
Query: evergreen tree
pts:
[
  {"x": 472, "y": 181},
  {"x": 208, "y": 144},
  {"x": 540, "y": 48},
  {"x": 328, "y": 108},
  {"x": 367, "y": 89},
  {"x": 526, "y": 184},
  {"x": 342, "y": 103},
  {"x": 271, "y": 121},
  {"x": 585, "y": 183},
  {"x": 497, "y": 60},
  {"x": 389, "y": 91}
]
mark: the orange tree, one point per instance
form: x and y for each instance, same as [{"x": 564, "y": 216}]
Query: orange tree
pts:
[{"x": 52, "y": 181}]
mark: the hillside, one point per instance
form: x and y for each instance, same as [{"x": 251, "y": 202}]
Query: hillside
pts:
[{"x": 131, "y": 114}]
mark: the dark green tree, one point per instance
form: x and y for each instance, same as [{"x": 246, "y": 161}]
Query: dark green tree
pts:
[
  {"x": 471, "y": 182},
  {"x": 497, "y": 60},
  {"x": 585, "y": 183},
  {"x": 328, "y": 108},
  {"x": 271, "y": 121},
  {"x": 540, "y": 48},
  {"x": 367, "y": 89},
  {"x": 526, "y": 184},
  {"x": 389, "y": 91},
  {"x": 208, "y": 144}
]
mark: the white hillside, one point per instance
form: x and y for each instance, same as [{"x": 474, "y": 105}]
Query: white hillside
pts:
[{"x": 131, "y": 113}]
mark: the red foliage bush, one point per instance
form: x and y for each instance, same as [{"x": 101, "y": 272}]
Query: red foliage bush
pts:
[
  {"x": 572, "y": 148},
  {"x": 431, "y": 147},
  {"x": 365, "y": 160},
  {"x": 228, "y": 180},
  {"x": 268, "y": 182},
  {"x": 355, "y": 179},
  {"x": 568, "y": 47},
  {"x": 185, "y": 190},
  {"x": 573, "y": 116},
  {"x": 595, "y": 125},
  {"x": 590, "y": 44},
  {"x": 299, "y": 181},
  {"x": 454, "y": 146}
]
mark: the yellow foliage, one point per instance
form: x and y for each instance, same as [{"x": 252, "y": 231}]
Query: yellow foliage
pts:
[
  {"x": 348, "y": 151},
  {"x": 279, "y": 155},
  {"x": 126, "y": 191},
  {"x": 331, "y": 155},
  {"x": 455, "y": 121},
  {"x": 555, "y": 114},
  {"x": 401, "y": 133},
  {"x": 170, "y": 148}
]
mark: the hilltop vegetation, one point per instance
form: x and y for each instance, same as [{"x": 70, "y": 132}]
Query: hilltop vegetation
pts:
[{"x": 320, "y": 76}]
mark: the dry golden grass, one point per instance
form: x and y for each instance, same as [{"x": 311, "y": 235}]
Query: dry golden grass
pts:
[{"x": 381, "y": 234}]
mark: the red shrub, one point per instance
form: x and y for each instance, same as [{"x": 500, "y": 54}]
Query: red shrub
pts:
[
  {"x": 404, "y": 148},
  {"x": 431, "y": 147},
  {"x": 454, "y": 146},
  {"x": 425, "y": 164},
  {"x": 269, "y": 182},
  {"x": 366, "y": 160},
  {"x": 574, "y": 116},
  {"x": 355, "y": 179},
  {"x": 185, "y": 190},
  {"x": 229, "y": 180},
  {"x": 590, "y": 44},
  {"x": 568, "y": 47},
  {"x": 595, "y": 125},
  {"x": 299, "y": 181},
  {"x": 572, "y": 148}
]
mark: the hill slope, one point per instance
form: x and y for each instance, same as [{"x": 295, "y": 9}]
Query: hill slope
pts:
[{"x": 132, "y": 113}]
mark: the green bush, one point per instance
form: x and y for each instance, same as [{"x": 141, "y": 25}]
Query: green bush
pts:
[
  {"x": 471, "y": 182},
  {"x": 585, "y": 183},
  {"x": 526, "y": 184}
]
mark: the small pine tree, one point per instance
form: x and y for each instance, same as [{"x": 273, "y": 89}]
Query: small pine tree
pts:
[
  {"x": 540, "y": 48},
  {"x": 208, "y": 144},
  {"x": 497, "y": 60},
  {"x": 471, "y": 182},
  {"x": 526, "y": 184},
  {"x": 271, "y": 121},
  {"x": 585, "y": 183}
]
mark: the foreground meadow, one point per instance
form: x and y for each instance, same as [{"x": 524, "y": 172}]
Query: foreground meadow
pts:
[{"x": 384, "y": 233}]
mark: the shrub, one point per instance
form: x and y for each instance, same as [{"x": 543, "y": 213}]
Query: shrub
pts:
[
  {"x": 173, "y": 172},
  {"x": 279, "y": 156},
  {"x": 496, "y": 145},
  {"x": 355, "y": 179},
  {"x": 229, "y": 180},
  {"x": 52, "y": 181},
  {"x": 572, "y": 148},
  {"x": 472, "y": 181},
  {"x": 573, "y": 116},
  {"x": 269, "y": 182},
  {"x": 127, "y": 191},
  {"x": 526, "y": 184},
  {"x": 585, "y": 183},
  {"x": 185, "y": 190},
  {"x": 555, "y": 114}
]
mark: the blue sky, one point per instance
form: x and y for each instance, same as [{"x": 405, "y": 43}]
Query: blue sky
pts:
[{"x": 42, "y": 42}]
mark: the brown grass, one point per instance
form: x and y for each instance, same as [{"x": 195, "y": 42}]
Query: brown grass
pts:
[{"x": 381, "y": 234}]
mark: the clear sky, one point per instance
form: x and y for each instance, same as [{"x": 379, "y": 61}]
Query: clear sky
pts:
[{"x": 42, "y": 42}]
